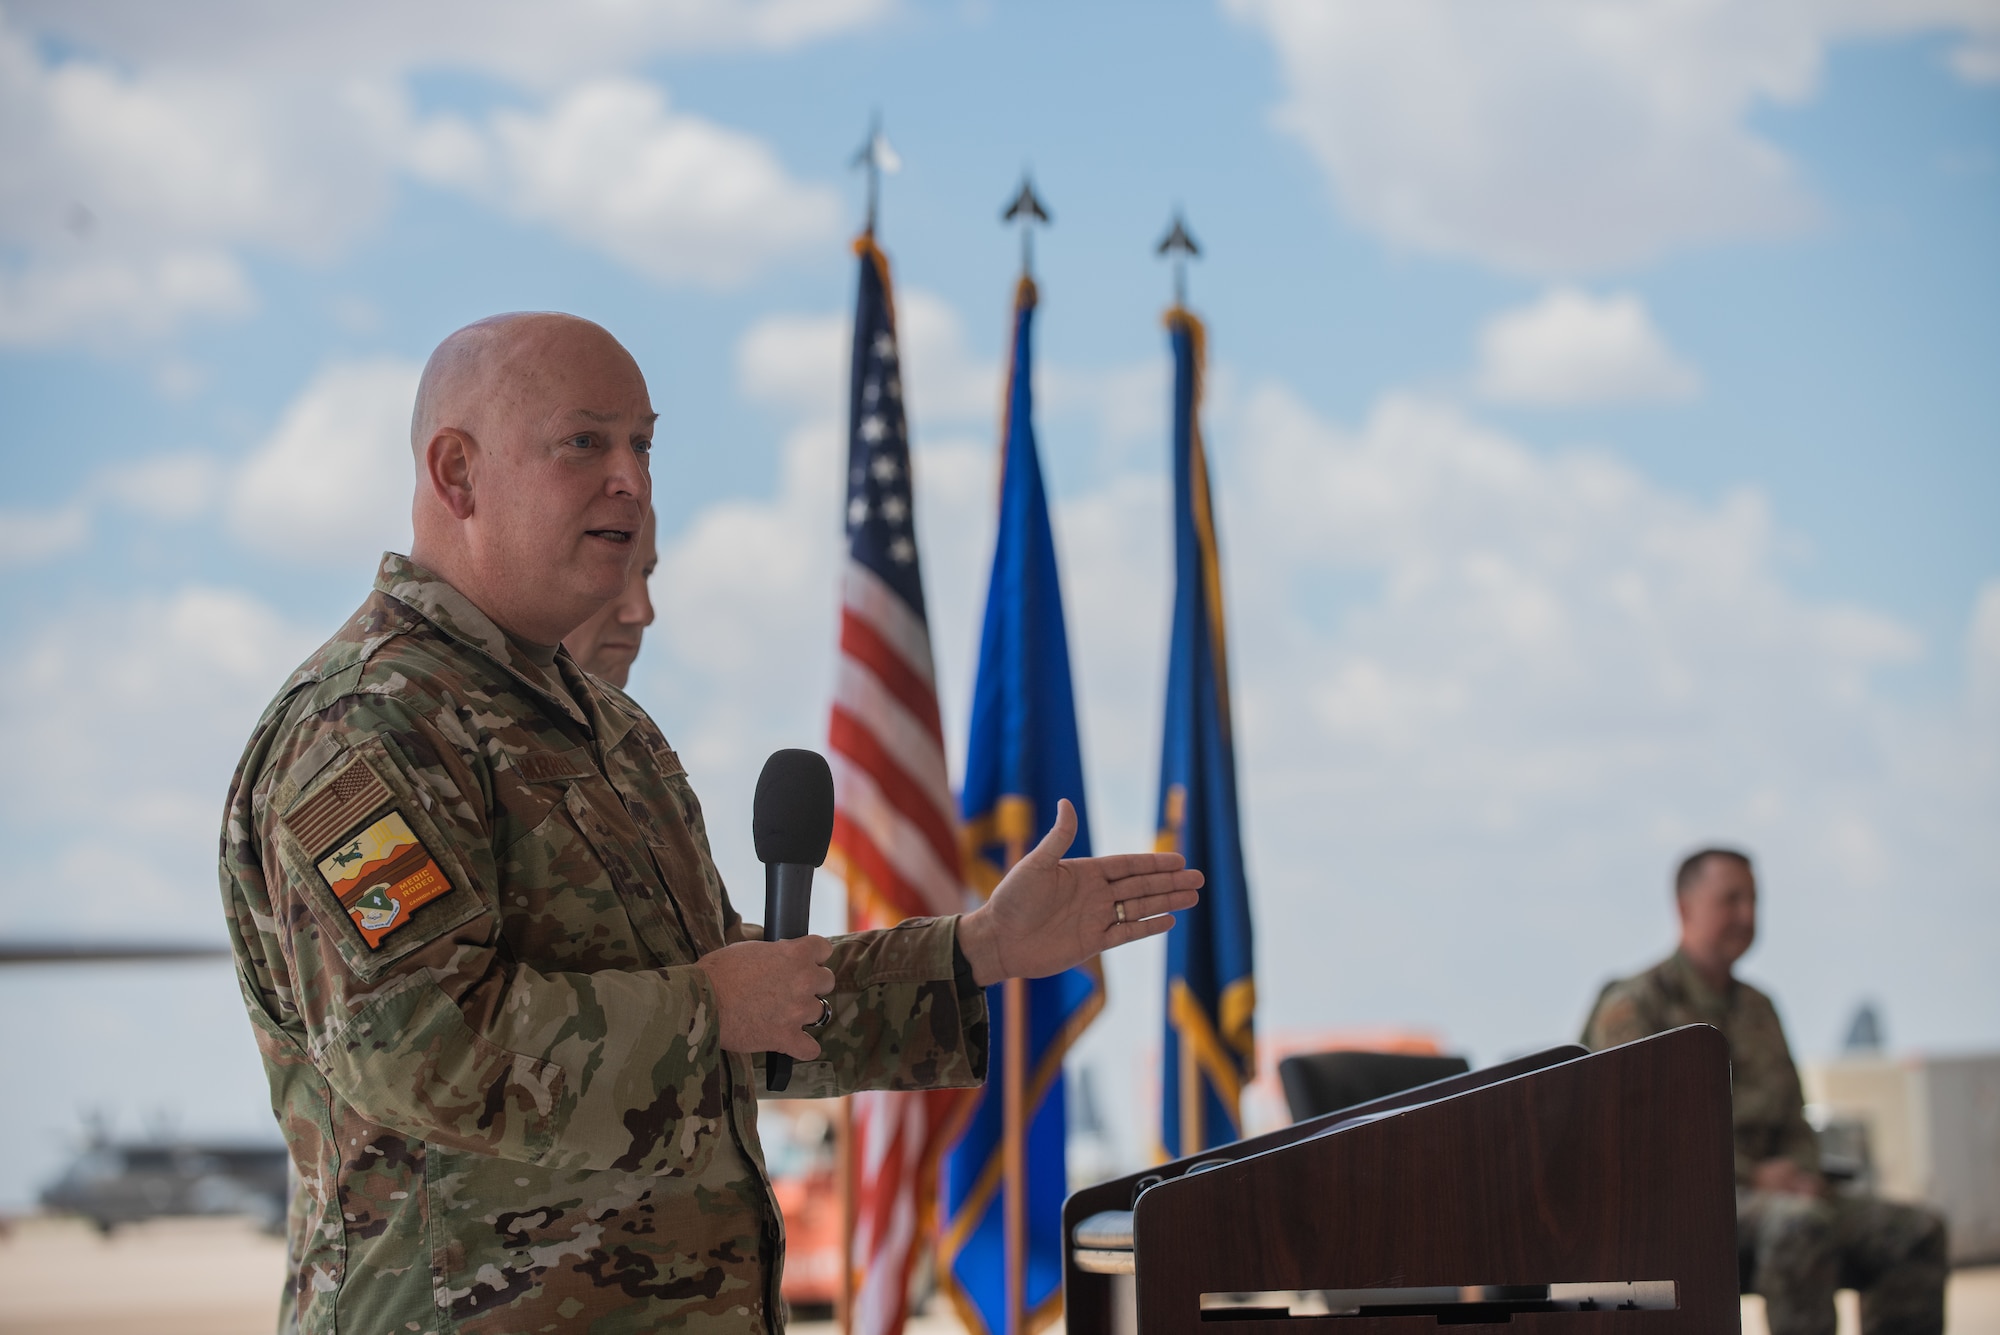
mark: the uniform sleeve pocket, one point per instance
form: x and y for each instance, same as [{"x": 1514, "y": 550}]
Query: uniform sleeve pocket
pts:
[{"x": 373, "y": 864}]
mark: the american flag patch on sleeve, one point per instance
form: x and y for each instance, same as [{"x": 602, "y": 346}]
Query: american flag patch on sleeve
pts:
[{"x": 337, "y": 808}]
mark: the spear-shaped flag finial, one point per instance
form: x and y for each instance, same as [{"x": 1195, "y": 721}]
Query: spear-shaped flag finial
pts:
[
  {"x": 876, "y": 158},
  {"x": 1028, "y": 209},
  {"x": 1179, "y": 243}
]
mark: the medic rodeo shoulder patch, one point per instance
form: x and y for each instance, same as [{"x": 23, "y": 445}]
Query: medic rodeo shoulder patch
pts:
[{"x": 381, "y": 876}]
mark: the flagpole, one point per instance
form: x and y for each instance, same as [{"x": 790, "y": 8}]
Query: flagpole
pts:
[
  {"x": 874, "y": 158},
  {"x": 1014, "y": 1156},
  {"x": 1013, "y": 1133},
  {"x": 1180, "y": 244},
  {"x": 843, "y": 1134},
  {"x": 1027, "y": 209}
]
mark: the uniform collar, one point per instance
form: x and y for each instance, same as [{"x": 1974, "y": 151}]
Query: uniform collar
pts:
[
  {"x": 1697, "y": 989},
  {"x": 437, "y": 602}
]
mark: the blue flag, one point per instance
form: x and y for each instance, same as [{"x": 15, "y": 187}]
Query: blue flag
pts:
[
  {"x": 1023, "y": 756},
  {"x": 1209, "y": 1053}
]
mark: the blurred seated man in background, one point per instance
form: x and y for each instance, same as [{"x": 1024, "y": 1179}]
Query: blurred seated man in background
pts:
[
  {"x": 1805, "y": 1239},
  {"x": 606, "y": 644}
]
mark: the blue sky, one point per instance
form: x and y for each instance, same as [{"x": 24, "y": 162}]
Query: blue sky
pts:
[{"x": 1603, "y": 409}]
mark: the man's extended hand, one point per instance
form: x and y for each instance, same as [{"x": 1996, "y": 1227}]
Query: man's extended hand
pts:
[
  {"x": 767, "y": 992},
  {"x": 1049, "y": 914}
]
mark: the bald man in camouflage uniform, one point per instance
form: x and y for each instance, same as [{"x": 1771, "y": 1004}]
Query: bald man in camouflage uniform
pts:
[
  {"x": 1807, "y": 1240},
  {"x": 511, "y": 1022}
]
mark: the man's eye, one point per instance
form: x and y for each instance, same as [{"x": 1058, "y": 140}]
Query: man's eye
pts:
[
  {"x": 585, "y": 441},
  {"x": 642, "y": 446}
]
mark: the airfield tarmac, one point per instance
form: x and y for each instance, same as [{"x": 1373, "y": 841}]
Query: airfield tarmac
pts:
[{"x": 221, "y": 1277}]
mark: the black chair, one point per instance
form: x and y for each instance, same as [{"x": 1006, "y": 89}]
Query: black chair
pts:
[{"x": 1322, "y": 1082}]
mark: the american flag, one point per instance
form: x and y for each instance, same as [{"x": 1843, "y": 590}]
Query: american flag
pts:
[{"x": 895, "y": 837}]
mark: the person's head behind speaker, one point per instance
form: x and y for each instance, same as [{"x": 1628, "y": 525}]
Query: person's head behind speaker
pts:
[{"x": 1715, "y": 891}]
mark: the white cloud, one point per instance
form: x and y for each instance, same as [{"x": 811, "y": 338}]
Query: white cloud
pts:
[
  {"x": 1562, "y": 675},
  {"x": 167, "y": 487},
  {"x": 29, "y": 537},
  {"x": 1563, "y": 572},
  {"x": 125, "y": 193},
  {"x": 58, "y": 300},
  {"x": 1485, "y": 697},
  {"x": 175, "y": 155},
  {"x": 178, "y": 379},
  {"x": 139, "y": 166},
  {"x": 1127, "y": 407},
  {"x": 1569, "y": 348},
  {"x": 135, "y": 712},
  {"x": 1977, "y": 60},
  {"x": 1982, "y": 654},
  {"x": 737, "y": 664},
  {"x": 740, "y": 661},
  {"x": 609, "y": 164},
  {"x": 944, "y": 381},
  {"x": 526, "y": 41},
  {"x": 794, "y": 362},
  {"x": 1556, "y": 137},
  {"x": 143, "y": 705},
  {"x": 799, "y": 362},
  {"x": 332, "y": 483}
]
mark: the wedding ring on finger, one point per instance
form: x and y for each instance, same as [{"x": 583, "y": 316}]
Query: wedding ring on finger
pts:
[
  {"x": 825, "y": 1015},
  {"x": 1118, "y": 907}
]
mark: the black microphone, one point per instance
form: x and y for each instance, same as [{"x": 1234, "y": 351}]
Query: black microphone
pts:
[{"x": 791, "y": 822}]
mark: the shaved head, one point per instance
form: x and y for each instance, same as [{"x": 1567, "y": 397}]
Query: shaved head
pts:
[
  {"x": 532, "y": 433},
  {"x": 489, "y": 364}
]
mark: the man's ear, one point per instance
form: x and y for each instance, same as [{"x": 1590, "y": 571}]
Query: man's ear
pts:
[{"x": 449, "y": 462}]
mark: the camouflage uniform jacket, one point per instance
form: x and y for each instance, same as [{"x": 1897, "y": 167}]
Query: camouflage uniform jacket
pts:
[
  {"x": 1765, "y": 1102},
  {"x": 465, "y": 913}
]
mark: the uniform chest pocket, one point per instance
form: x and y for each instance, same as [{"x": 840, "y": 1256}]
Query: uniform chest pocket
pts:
[
  {"x": 560, "y": 906},
  {"x": 694, "y": 902},
  {"x": 649, "y": 792},
  {"x": 624, "y": 857}
]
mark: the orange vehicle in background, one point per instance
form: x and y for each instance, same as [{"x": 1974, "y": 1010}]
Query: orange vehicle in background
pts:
[{"x": 799, "y": 1152}]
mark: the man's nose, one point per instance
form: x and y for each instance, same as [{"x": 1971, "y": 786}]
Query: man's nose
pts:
[
  {"x": 629, "y": 476},
  {"x": 636, "y": 608}
]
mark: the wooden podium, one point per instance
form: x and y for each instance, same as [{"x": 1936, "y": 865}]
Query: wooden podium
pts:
[{"x": 1564, "y": 1192}]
